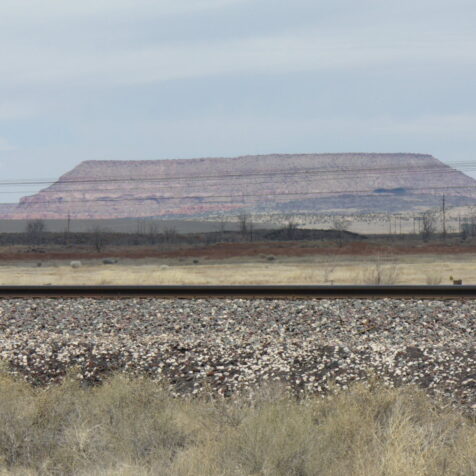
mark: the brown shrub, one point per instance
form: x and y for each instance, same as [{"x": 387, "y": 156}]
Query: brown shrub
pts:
[{"x": 133, "y": 426}]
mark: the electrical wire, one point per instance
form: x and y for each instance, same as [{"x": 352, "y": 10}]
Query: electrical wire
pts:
[
  {"x": 443, "y": 168},
  {"x": 294, "y": 174},
  {"x": 59, "y": 186},
  {"x": 241, "y": 196}
]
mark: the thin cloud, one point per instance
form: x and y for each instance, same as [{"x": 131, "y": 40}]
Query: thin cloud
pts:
[
  {"x": 13, "y": 110},
  {"x": 5, "y": 145},
  {"x": 95, "y": 78},
  {"x": 307, "y": 51},
  {"x": 36, "y": 11},
  {"x": 454, "y": 125},
  {"x": 440, "y": 124},
  {"x": 214, "y": 136}
]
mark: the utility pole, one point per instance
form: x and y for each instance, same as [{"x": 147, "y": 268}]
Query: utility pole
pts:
[
  {"x": 444, "y": 216},
  {"x": 66, "y": 231},
  {"x": 419, "y": 224}
]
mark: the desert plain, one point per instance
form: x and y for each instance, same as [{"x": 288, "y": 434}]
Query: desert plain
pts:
[{"x": 247, "y": 263}]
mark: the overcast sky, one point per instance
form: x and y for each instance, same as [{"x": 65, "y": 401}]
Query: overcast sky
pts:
[{"x": 152, "y": 79}]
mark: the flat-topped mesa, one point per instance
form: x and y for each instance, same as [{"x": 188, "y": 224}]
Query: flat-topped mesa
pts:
[{"x": 120, "y": 189}]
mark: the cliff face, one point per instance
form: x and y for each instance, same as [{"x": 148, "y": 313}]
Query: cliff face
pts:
[{"x": 118, "y": 189}]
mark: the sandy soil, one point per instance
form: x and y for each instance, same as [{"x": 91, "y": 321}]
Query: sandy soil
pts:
[{"x": 225, "y": 251}]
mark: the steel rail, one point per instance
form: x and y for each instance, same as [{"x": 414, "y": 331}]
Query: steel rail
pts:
[{"x": 248, "y": 291}]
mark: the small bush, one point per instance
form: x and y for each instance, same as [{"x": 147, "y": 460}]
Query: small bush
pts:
[
  {"x": 110, "y": 261},
  {"x": 327, "y": 272},
  {"x": 380, "y": 275}
]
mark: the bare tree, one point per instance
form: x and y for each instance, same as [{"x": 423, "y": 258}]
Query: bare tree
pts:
[
  {"x": 468, "y": 225},
  {"x": 428, "y": 225},
  {"x": 34, "y": 229},
  {"x": 99, "y": 238},
  {"x": 243, "y": 223},
  {"x": 340, "y": 224},
  {"x": 246, "y": 226},
  {"x": 222, "y": 228},
  {"x": 153, "y": 233},
  {"x": 291, "y": 227},
  {"x": 170, "y": 234},
  {"x": 141, "y": 227}
]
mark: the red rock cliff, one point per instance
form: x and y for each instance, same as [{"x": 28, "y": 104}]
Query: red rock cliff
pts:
[{"x": 117, "y": 189}]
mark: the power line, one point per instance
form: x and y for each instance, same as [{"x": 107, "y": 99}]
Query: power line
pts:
[
  {"x": 241, "y": 195},
  {"x": 82, "y": 190},
  {"x": 383, "y": 171},
  {"x": 443, "y": 168}
]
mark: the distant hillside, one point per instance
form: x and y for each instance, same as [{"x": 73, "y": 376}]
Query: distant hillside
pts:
[{"x": 197, "y": 187}]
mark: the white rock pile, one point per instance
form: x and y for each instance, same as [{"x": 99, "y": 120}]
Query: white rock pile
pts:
[{"x": 222, "y": 346}]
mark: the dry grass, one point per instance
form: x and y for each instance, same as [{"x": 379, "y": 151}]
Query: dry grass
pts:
[
  {"x": 133, "y": 427},
  {"x": 417, "y": 269},
  {"x": 379, "y": 274},
  {"x": 433, "y": 280}
]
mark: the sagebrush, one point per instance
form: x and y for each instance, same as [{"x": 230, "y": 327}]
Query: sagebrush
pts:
[{"x": 134, "y": 427}]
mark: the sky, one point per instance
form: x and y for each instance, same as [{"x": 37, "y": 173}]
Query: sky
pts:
[{"x": 156, "y": 79}]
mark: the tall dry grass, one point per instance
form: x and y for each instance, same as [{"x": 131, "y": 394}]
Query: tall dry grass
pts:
[
  {"x": 380, "y": 274},
  {"x": 338, "y": 270},
  {"x": 134, "y": 427}
]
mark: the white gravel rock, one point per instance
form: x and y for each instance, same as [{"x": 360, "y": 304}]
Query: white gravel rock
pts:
[{"x": 224, "y": 346}]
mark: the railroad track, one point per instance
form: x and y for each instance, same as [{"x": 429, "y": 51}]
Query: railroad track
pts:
[{"x": 249, "y": 292}]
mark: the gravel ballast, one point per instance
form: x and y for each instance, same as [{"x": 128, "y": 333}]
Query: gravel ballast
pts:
[{"x": 222, "y": 346}]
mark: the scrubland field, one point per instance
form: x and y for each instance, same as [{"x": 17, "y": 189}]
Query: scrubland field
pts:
[
  {"x": 401, "y": 269},
  {"x": 236, "y": 387},
  {"x": 134, "y": 427}
]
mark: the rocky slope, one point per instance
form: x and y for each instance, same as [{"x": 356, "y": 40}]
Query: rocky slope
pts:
[
  {"x": 224, "y": 346},
  {"x": 118, "y": 189}
]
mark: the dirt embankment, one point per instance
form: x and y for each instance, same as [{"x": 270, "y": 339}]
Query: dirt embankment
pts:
[{"x": 233, "y": 250}]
